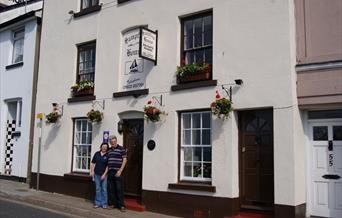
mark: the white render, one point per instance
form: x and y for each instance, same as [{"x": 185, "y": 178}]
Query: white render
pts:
[
  {"x": 253, "y": 41},
  {"x": 16, "y": 83}
]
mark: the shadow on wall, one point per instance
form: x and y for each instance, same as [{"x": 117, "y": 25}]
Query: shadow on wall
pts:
[{"x": 51, "y": 135}]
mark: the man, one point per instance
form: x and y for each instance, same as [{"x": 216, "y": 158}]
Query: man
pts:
[{"x": 117, "y": 160}]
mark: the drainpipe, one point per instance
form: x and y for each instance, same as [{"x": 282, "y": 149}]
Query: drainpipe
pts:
[{"x": 34, "y": 97}]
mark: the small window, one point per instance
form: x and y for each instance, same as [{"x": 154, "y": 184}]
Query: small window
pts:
[
  {"x": 18, "y": 46},
  {"x": 197, "y": 37},
  {"x": 82, "y": 145},
  {"x": 88, "y": 4},
  {"x": 86, "y": 62},
  {"x": 196, "y": 146},
  {"x": 14, "y": 108}
]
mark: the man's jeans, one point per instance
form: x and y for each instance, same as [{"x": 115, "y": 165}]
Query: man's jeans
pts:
[
  {"x": 101, "y": 196},
  {"x": 116, "y": 189}
]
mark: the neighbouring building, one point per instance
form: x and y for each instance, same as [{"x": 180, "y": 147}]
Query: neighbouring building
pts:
[
  {"x": 20, "y": 26},
  {"x": 267, "y": 56},
  {"x": 319, "y": 90}
]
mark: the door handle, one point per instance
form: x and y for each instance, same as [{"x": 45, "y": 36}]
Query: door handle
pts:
[{"x": 331, "y": 176}]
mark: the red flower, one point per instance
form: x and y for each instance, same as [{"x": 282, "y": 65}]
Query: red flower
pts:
[
  {"x": 149, "y": 102},
  {"x": 218, "y": 96}
]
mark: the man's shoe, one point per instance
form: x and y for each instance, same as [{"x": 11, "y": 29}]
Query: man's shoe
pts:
[
  {"x": 104, "y": 207},
  {"x": 123, "y": 209},
  {"x": 96, "y": 206}
]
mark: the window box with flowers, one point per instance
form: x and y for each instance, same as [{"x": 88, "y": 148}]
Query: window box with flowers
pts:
[
  {"x": 193, "y": 72},
  {"x": 52, "y": 117},
  {"x": 221, "y": 107},
  {"x": 83, "y": 88}
]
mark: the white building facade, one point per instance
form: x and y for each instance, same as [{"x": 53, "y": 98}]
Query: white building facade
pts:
[
  {"x": 19, "y": 41},
  {"x": 190, "y": 163}
]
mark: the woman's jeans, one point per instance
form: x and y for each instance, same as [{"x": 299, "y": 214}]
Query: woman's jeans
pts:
[
  {"x": 116, "y": 189},
  {"x": 101, "y": 191}
]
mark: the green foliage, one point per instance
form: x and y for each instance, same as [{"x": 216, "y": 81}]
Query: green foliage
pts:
[
  {"x": 83, "y": 85},
  {"x": 95, "y": 116},
  {"x": 52, "y": 117},
  {"x": 192, "y": 69},
  {"x": 221, "y": 108}
]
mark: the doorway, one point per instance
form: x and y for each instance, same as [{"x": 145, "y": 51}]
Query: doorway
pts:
[
  {"x": 133, "y": 139},
  {"x": 325, "y": 168},
  {"x": 256, "y": 165}
]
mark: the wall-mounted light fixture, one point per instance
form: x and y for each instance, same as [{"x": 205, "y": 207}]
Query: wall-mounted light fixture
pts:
[
  {"x": 71, "y": 12},
  {"x": 229, "y": 91},
  {"x": 121, "y": 124},
  {"x": 57, "y": 108}
]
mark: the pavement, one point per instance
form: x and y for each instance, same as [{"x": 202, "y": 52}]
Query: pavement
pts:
[{"x": 75, "y": 207}]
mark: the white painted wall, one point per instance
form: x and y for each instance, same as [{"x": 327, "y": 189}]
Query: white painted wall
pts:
[
  {"x": 17, "y": 83},
  {"x": 253, "y": 41},
  {"x": 15, "y": 12}
]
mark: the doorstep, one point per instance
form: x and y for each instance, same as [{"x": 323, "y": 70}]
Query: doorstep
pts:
[
  {"x": 253, "y": 215},
  {"x": 133, "y": 204}
]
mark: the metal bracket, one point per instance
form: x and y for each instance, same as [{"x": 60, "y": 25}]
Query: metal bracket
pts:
[
  {"x": 99, "y": 104},
  {"x": 158, "y": 99},
  {"x": 228, "y": 91}
]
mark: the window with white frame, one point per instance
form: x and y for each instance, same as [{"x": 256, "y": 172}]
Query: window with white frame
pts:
[
  {"x": 88, "y": 4},
  {"x": 82, "y": 145},
  {"x": 196, "y": 146},
  {"x": 15, "y": 111},
  {"x": 18, "y": 45}
]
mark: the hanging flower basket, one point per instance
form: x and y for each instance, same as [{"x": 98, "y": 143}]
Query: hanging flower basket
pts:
[
  {"x": 152, "y": 113},
  {"x": 95, "y": 116},
  {"x": 82, "y": 88},
  {"x": 193, "y": 72},
  {"x": 221, "y": 107},
  {"x": 52, "y": 117}
]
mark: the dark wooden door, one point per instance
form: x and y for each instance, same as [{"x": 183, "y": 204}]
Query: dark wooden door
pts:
[
  {"x": 133, "y": 137},
  {"x": 256, "y": 159}
]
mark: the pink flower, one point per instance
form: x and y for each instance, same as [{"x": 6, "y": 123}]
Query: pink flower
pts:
[{"x": 218, "y": 96}]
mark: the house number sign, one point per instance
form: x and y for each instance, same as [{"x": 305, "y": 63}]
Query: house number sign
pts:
[{"x": 331, "y": 160}]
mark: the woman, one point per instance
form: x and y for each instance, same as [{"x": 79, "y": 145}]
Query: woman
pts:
[{"x": 98, "y": 170}]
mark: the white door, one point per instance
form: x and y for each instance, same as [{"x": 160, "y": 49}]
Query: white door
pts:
[{"x": 326, "y": 169}]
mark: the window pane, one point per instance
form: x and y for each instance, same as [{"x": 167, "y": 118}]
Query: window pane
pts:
[
  {"x": 205, "y": 120},
  {"x": 187, "y": 137},
  {"x": 206, "y": 137},
  {"x": 85, "y": 3},
  {"x": 188, "y": 30},
  {"x": 89, "y": 138},
  {"x": 208, "y": 55},
  {"x": 320, "y": 133},
  {"x": 84, "y": 138},
  {"x": 207, "y": 38},
  {"x": 197, "y": 154},
  {"x": 186, "y": 121},
  {"x": 197, "y": 170},
  {"x": 196, "y": 137},
  {"x": 207, "y": 154},
  {"x": 199, "y": 56},
  {"x": 84, "y": 125},
  {"x": 77, "y": 138},
  {"x": 187, "y": 169},
  {"x": 189, "y": 57},
  {"x": 198, "y": 40},
  {"x": 207, "y": 22},
  {"x": 187, "y": 154},
  {"x": 188, "y": 42},
  {"x": 206, "y": 170},
  {"x": 198, "y": 26},
  {"x": 90, "y": 126},
  {"x": 337, "y": 133},
  {"x": 196, "y": 120}
]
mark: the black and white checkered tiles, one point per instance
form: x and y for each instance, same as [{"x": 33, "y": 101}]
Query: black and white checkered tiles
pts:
[{"x": 10, "y": 128}]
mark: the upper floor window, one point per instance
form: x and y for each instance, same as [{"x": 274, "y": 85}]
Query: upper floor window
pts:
[
  {"x": 195, "y": 164},
  {"x": 86, "y": 62},
  {"x": 18, "y": 45},
  {"x": 197, "y": 36},
  {"x": 88, "y": 4}
]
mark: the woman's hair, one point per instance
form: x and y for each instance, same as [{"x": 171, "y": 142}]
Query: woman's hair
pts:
[{"x": 104, "y": 143}]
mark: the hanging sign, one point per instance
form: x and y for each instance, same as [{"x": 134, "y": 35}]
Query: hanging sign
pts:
[
  {"x": 148, "y": 44},
  {"x": 133, "y": 76}
]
